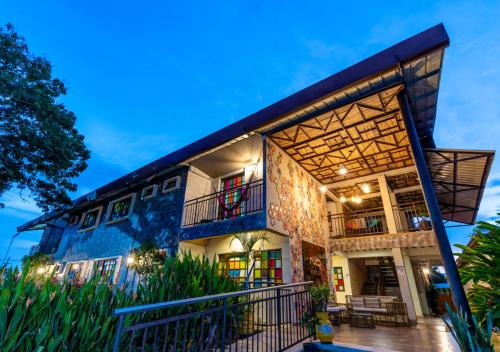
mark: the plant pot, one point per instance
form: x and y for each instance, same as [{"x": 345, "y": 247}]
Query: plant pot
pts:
[
  {"x": 247, "y": 325},
  {"x": 324, "y": 329}
]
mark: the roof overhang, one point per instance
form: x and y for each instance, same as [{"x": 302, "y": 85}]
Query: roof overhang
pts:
[{"x": 459, "y": 178}]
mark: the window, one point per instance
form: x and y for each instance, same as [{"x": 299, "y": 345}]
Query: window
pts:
[
  {"x": 90, "y": 219},
  {"x": 338, "y": 279},
  {"x": 171, "y": 184},
  {"x": 149, "y": 192},
  {"x": 74, "y": 219},
  {"x": 267, "y": 269},
  {"x": 230, "y": 204},
  {"x": 74, "y": 272},
  {"x": 105, "y": 269},
  {"x": 120, "y": 209}
]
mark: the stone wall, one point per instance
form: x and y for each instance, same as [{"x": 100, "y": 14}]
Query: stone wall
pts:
[
  {"x": 157, "y": 218},
  {"x": 295, "y": 206}
]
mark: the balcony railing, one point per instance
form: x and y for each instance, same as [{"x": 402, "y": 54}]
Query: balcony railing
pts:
[
  {"x": 358, "y": 223},
  {"x": 412, "y": 217},
  {"x": 408, "y": 217},
  {"x": 223, "y": 205}
]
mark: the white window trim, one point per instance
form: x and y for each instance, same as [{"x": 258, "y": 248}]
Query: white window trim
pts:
[
  {"x": 177, "y": 184},
  {"x": 155, "y": 190},
  {"x": 96, "y": 222},
  {"x": 83, "y": 269},
  {"x": 130, "y": 209}
]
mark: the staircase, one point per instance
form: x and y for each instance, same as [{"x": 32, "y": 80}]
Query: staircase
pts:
[{"x": 384, "y": 282}]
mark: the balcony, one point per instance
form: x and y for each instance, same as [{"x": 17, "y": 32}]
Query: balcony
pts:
[
  {"x": 224, "y": 205},
  {"x": 409, "y": 217},
  {"x": 45, "y": 247}
]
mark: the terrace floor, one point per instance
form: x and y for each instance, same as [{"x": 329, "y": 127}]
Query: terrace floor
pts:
[{"x": 430, "y": 335}]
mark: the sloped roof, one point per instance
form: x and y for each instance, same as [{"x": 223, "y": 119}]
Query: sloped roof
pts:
[
  {"x": 459, "y": 178},
  {"x": 406, "y": 51}
]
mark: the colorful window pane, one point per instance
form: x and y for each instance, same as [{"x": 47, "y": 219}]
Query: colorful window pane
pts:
[
  {"x": 90, "y": 219},
  {"x": 338, "y": 279},
  {"x": 74, "y": 272},
  {"x": 120, "y": 209},
  {"x": 231, "y": 205},
  {"x": 105, "y": 269}
]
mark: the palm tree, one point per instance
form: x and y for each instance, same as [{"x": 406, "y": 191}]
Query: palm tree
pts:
[{"x": 248, "y": 240}]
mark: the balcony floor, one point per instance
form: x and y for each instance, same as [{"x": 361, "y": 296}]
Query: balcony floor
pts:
[{"x": 429, "y": 335}]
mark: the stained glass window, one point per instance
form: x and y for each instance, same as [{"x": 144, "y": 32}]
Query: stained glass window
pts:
[
  {"x": 105, "y": 269},
  {"x": 268, "y": 268},
  {"x": 74, "y": 272},
  {"x": 235, "y": 266},
  {"x": 338, "y": 279},
  {"x": 120, "y": 209},
  {"x": 232, "y": 188},
  {"x": 90, "y": 219}
]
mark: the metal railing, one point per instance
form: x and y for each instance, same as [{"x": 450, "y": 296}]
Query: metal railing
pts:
[
  {"x": 408, "y": 216},
  {"x": 412, "y": 217},
  {"x": 227, "y": 204},
  {"x": 363, "y": 222},
  {"x": 266, "y": 319}
]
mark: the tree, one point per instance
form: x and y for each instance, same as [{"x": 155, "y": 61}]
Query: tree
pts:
[
  {"x": 248, "y": 240},
  {"x": 480, "y": 266},
  {"x": 40, "y": 149},
  {"x": 145, "y": 259}
]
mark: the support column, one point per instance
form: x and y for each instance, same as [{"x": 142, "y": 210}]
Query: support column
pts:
[
  {"x": 404, "y": 285},
  {"x": 413, "y": 285},
  {"x": 386, "y": 201},
  {"x": 450, "y": 266}
]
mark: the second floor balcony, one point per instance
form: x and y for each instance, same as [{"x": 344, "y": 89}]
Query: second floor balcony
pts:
[
  {"x": 409, "y": 217},
  {"x": 224, "y": 205}
]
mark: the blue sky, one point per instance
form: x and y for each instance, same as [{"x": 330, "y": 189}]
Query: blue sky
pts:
[{"x": 145, "y": 78}]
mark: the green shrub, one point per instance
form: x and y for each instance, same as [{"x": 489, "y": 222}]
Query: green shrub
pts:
[{"x": 43, "y": 315}]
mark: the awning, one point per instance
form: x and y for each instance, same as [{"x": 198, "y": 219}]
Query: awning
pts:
[{"x": 459, "y": 177}]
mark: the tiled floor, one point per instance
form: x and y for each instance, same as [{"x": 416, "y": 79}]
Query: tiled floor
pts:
[{"x": 429, "y": 335}]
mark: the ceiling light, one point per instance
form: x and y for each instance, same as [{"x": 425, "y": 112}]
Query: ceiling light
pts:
[
  {"x": 365, "y": 188},
  {"x": 426, "y": 271},
  {"x": 323, "y": 189},
  {"x": 342, "y": 170},
  {"x": 358, "y": 200},
  {"x": 342, "y": 199}
]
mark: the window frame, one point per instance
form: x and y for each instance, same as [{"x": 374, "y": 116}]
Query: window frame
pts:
[
  {"x": 115, "y": 276},
  {"x": 177, "y": 184},
  {"x": 72, "y": 221},
  {"x": 98, "y": 219},
  {"x": 155, "y": 191},
  {"x": 130, "y": 209}
]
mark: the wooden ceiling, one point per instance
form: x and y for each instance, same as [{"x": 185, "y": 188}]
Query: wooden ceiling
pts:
[{"x": 366, "y": 137}]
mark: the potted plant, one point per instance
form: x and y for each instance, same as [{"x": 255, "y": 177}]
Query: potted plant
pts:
[{"x": 323, "y": 326}]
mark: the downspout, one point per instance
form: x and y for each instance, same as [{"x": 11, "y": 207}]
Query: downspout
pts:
[{"x": 450, "y": 266}]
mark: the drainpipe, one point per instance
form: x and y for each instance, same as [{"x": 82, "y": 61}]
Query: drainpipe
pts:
[{"x": 450, "y": 266}]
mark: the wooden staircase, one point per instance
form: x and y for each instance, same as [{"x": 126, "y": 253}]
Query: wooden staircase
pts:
[{"x": 385, "y": 282}]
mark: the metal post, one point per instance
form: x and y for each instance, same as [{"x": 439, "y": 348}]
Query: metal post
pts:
[
  {"x": 223, "y": 342},
  {"x": 118, "y": 332},
  {"x": 450, "y": 266},
  {"x": 278, "y": 308}
]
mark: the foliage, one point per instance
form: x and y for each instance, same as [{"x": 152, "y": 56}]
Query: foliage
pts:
[
  {"x": 36, "y": 261},
  {"x": 319, "y": 296},
  {"x": 480, "y": 265},
  {"x": 146, "y": 258},
  {"x": 44, "y": 315},
  {"x": 40, "y": 149},
  {"x": 310, "y": 320},
  {"x": 248, "y": 240},
  {"x": 480, "y": 341}
]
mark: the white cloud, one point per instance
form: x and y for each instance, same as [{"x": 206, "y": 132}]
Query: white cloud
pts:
[{"x": 22, "y": 207}]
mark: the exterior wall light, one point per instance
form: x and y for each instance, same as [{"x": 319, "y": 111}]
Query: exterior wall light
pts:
[
  {"x": 130, "y": 260},
  {"x": 40, "y": 270},
  {"x": 75, "y": 266}
]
